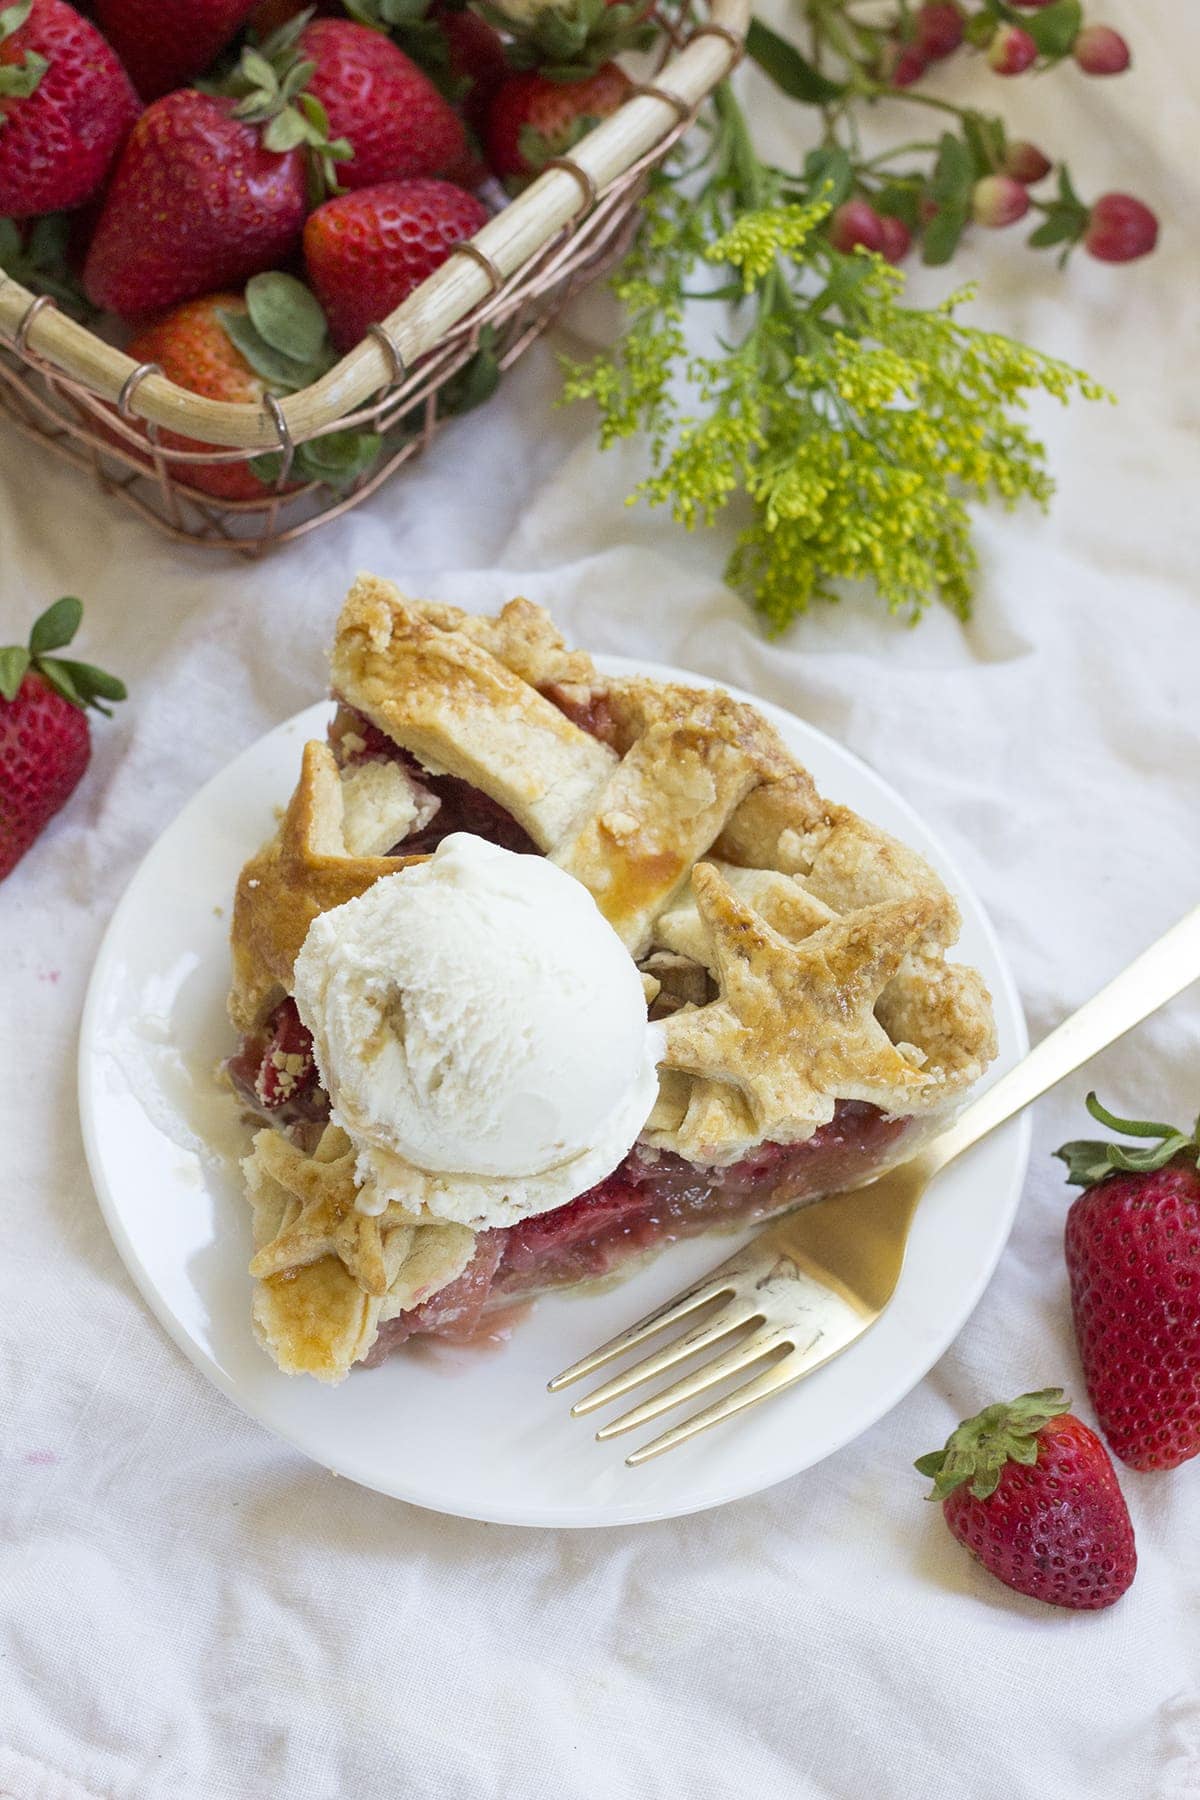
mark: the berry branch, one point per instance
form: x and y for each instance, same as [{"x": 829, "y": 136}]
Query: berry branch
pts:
[{"x": 857, "y": 428}]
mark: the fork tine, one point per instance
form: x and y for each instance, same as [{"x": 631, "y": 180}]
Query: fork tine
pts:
[
  {"x": 711, "y": 1288},
  {"x": 700, "y": 1337},
  {"x": 759, "y": 1387},
  {"x": 750, "y": 1350}
]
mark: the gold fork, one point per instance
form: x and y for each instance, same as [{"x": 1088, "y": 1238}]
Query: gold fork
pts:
[{"x": 811, "y": 1283}]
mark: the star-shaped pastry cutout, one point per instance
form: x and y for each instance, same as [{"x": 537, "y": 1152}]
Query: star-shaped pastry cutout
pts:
[
  {"x": 794, "y": 1025},
  {"x": 323, "y": 1219}
]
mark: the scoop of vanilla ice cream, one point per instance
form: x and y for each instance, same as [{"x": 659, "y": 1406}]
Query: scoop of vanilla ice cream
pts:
[{"x": 482, "y": 1033}]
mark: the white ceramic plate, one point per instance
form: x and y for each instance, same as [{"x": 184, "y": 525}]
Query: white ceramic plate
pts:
[{"x": 466, "y": 1431}]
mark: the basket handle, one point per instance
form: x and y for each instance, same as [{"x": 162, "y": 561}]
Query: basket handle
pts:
[{"x": 501, "y": 247}]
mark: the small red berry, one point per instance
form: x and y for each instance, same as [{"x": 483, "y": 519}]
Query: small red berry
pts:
[
  {"x": 856, "y": 222},
  {"x": 1025, "y": 162},
  {"x": 897, "y": 238},
  {"x": 1099, "y": 50},
  {"x": 939, "y": 28},
  {"x": 902, "y": 64},
  {"x": 927, "y": 209},
  {"x": 1120, "y": 229},
  {"x": 1011, "y": 51},
  {"x": 998, "y": 200}
]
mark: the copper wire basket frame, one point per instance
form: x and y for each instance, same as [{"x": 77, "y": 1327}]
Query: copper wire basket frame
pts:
[{"x": 67, "y": 388}]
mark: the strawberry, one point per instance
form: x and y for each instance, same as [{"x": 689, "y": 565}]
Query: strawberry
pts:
[
  {"x": 388, "y": 111},
  {"x": 191, "y": 346},
  {"x": 365, "y": 252},
  {"x": 354, "y": 85},
  {"x": 165, "y": 45},
  {"x": 198, "y": 201},
  {"x": 1133, "y": 1260},
  {"x": 532, "y": 118},
  {"x": 66, "y": 107},
  {"x": 45, "y": 739},
  {"x": 569, "y": 39},
  {"x": 271, "y": 340},
  {"x": 476, "y": 61},
  {"x": 1031, "y": 1491}
]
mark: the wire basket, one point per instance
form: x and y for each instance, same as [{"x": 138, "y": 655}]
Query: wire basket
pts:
[{"x": 96, "y": 408}]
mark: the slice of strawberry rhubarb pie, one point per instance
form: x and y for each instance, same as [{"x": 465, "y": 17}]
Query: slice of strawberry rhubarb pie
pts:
[{"x": 543, "y": 970}]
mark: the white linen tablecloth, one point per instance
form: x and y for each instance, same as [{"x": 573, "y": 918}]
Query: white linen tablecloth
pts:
[{"x": 188, "y": 1609}]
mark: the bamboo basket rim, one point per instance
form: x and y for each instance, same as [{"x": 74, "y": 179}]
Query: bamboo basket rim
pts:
[{"x": 566, "y": 191}]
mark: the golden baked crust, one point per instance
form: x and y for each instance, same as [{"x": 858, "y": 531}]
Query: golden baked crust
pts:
[
  {"x": 307, "y": 868},
  {"x": 795, "y": 952},
  {"x": 327, "y": 1275}
]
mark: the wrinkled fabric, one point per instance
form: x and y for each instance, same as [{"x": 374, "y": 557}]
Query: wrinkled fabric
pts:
[{"x": 191, "y": 1611}]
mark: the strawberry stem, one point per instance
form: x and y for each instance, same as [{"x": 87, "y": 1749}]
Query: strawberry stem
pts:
[
  {"x": 80, "y": 683},
  {"x": 1090, "y": 1160},
  {"x": 980, "y": 1448}
]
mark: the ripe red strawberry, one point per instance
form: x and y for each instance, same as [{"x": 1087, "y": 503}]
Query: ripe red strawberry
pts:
[
  {"x": 1031, "y": 1491},
  {"x": 192, "y": 347},
  {"x": 45, "y": 739},
  {"x": 165, "y": 45},
  {"x": 366, "y": 251},
  {"x": 381, "y": 103},
  {"x": 476, "y": 61},
  {"x": 532, "y": 118},
  {"x": 197, "y": 202},
  {"x": 66, "y": 106},
  {"x": 1133, "y": 1259}
]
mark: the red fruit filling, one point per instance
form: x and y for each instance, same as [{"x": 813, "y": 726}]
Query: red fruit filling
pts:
[
  {"x": 275, "y": 1073},
  {"x": 647, "y": 1202}
]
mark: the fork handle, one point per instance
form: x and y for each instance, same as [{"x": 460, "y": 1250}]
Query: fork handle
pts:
[{"x": 1153, "y": 978}]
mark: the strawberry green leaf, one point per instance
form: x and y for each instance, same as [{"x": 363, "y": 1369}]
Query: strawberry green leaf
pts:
[
  {"x": 57, "y": 625},
  {"x": 286, "y": 315},
  {"x": 258, "y": 72},
  {"x": 340, "y": 457},
  {"x": 19, "y": 80},
  {"x": 283, "y": 372},
  {"x": 286, "y": 131},
  {"x": 13, "y": 17},
  {"x": 1091, "y": 1160},
  {"x": 61, "y": 680},
  {"x": 792, "y": 73},
  {"x": 286, "y": 36},
  {"x": 297, "y": 79},
  {"x": 90, "y": 681},
  {"x": 14, "y": 666},
  {"x": 979, "y": 1449},
  {"x": 475, "y": 382},
  {"x": 1129, "y": 1127}
]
